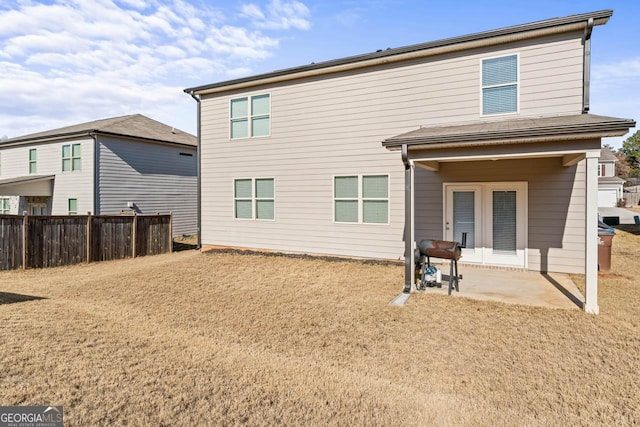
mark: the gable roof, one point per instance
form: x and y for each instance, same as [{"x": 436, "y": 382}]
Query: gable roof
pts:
[
  {"x": 607, "y": 155},
  {"x": 135, "y": 126},
  {"x": 578, "y": 126},
  {"x": 572, "y": 22}
]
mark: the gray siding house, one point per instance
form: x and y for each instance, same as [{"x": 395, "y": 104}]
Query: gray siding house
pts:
[
  {"x": 122, "y": 164},
  {"x": 610, "y": 187},
  {"x": 487, "y": 134}
]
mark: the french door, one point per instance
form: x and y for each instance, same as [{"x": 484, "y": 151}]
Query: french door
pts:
[{"x": 493, "y": 218}]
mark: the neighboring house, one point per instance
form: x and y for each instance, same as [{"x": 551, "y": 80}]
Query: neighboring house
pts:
[
  {"x": 130, "y": 163},
  {"x": 486, "y": 134},
  {"x": 609, "y": 185}
]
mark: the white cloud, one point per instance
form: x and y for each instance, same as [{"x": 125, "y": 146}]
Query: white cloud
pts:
[
  {"x": 279, "y": 15},
  {"x": 70, "y": 61}
]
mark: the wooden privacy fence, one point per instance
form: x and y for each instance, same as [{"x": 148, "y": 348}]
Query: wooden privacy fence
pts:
[{"x": 52, "y": 241}]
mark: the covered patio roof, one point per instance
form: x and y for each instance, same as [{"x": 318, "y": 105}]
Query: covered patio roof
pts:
[
  {"x": 513, "y": 131},
  {"x": 30, "y": 185}
]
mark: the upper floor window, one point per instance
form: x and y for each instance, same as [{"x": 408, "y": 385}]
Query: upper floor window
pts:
[
  {"x": 32, "y": 161},
  {"x": 254, "y": 198},
  {"x": 70, "y": 157},
  {"x": 601, "y": 169},
  {"x": 5, "y": 205},
  {"x": 361, "y": 199},
  {"x": 500, "y": 85},
  {"x": 250, "y": 116}
]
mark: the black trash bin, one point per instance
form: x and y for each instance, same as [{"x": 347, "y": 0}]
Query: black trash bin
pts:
[{"x": 605, "y": 239}]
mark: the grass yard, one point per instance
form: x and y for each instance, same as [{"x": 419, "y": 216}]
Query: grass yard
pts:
[{"x": 224, "y": 339}]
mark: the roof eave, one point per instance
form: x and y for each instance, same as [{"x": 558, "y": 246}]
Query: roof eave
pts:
[{"x": 600, "y": 130}]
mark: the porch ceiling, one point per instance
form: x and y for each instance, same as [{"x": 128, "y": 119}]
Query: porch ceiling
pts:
[{"x": 30, "y": 185}]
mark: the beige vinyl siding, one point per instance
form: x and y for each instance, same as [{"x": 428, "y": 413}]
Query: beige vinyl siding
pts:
[
  {"x": 556, "y": 197},
  {"x": 155, "y": 177},
  {"x": 334, "y": 125},
  {"x": 74, "y": 184}
]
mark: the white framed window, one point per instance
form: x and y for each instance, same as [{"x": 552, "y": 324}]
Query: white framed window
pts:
[
  {"x": 70, "y": 157},
  {"x": 500, "y": 85},
  {"x": 601, "y": 169},
  {"x": 361, "y": 199},
  {"x": 5, "y": 205},
  {"x": 73, "y": 206},
  {"x": 250, "y": 116},
  {"x": 33, "y": 157},
  {"x": 254, "y": 198}
]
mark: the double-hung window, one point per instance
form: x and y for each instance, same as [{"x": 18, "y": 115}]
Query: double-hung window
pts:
[
  {"x": 361, "y": 199},
  {"x": 500, "y": 85},
  {"x": 254, "y": 198},
  {"x": 250, "y": 116},
  {"x": 73, "y": 206},
  {"x": 70, "y": 157},
  {"x": 5, "y": 205},
  {"x": 33, "y": 161}
]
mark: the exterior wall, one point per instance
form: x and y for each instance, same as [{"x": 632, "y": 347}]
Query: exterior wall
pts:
[
  {"x": 66, "y": 185},
  {"x": 154, "y": 177},
  {"x": 556, "y": 206},
  {"x": 334, "y": 125}
]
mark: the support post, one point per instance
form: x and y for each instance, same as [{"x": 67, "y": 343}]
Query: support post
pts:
[
  {"x": 170, "y": 232},
  {"x": 25, "y": 238},
  {"x": 89, "y": 237},
  {"x": 591, "y": 233},
  {"x": 134, "y": 232},
  {"x": 409, "y": 247}
]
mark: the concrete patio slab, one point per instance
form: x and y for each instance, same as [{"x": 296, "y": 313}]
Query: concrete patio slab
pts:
[{"x": 554, "y": 290}]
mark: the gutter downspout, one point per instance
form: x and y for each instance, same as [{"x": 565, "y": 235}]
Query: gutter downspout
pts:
[
  {"x": 199, "y": 185},
  {"x": 586, "y": 62},
  {"x": 96, "y": 173},
  {"x": 409, "y": 262}
]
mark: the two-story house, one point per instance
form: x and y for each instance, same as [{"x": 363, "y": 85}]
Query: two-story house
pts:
[
  {"x": 610, "y": 187},
  {"x": 122, "y": 164},
  {"x": 486, "y": 134}
]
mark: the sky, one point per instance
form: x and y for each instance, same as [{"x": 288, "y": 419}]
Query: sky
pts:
[{"x": 64, "y": 62}]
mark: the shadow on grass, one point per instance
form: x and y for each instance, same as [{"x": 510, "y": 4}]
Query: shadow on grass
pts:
[
  {"x": 574, "y": 299},
  {"x": 629, "y": 228},
  {"x": 181, "y": 246},
  {"x": 10, "y": 298}
]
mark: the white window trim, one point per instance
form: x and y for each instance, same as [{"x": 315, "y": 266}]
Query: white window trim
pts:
[
  {"x": 361, "y": 199},
  {"x": 250, "y": 116},
  {"x": 71, "y": 158},
  {"x": 254, "y": 199},
  {"x": 517, "y": 83}
]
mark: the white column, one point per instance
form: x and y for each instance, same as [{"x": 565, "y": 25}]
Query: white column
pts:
[
  {"x": 409, "y": 258},
  {"x": 591, "y": 233}
]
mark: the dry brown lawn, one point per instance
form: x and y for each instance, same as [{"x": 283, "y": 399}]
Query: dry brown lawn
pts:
[{"x": 224, "y": 339}]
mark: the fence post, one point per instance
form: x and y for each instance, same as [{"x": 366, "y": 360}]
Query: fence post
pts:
[
  {"x": 134, "y": 234},
  {"x": 89, "y": 237},
  {"x": 25, "y": 238},
  {"x": 170, "y": 232}
]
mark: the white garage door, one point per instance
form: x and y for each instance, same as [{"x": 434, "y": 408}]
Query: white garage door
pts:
[{"x": 607, "y": 198}]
